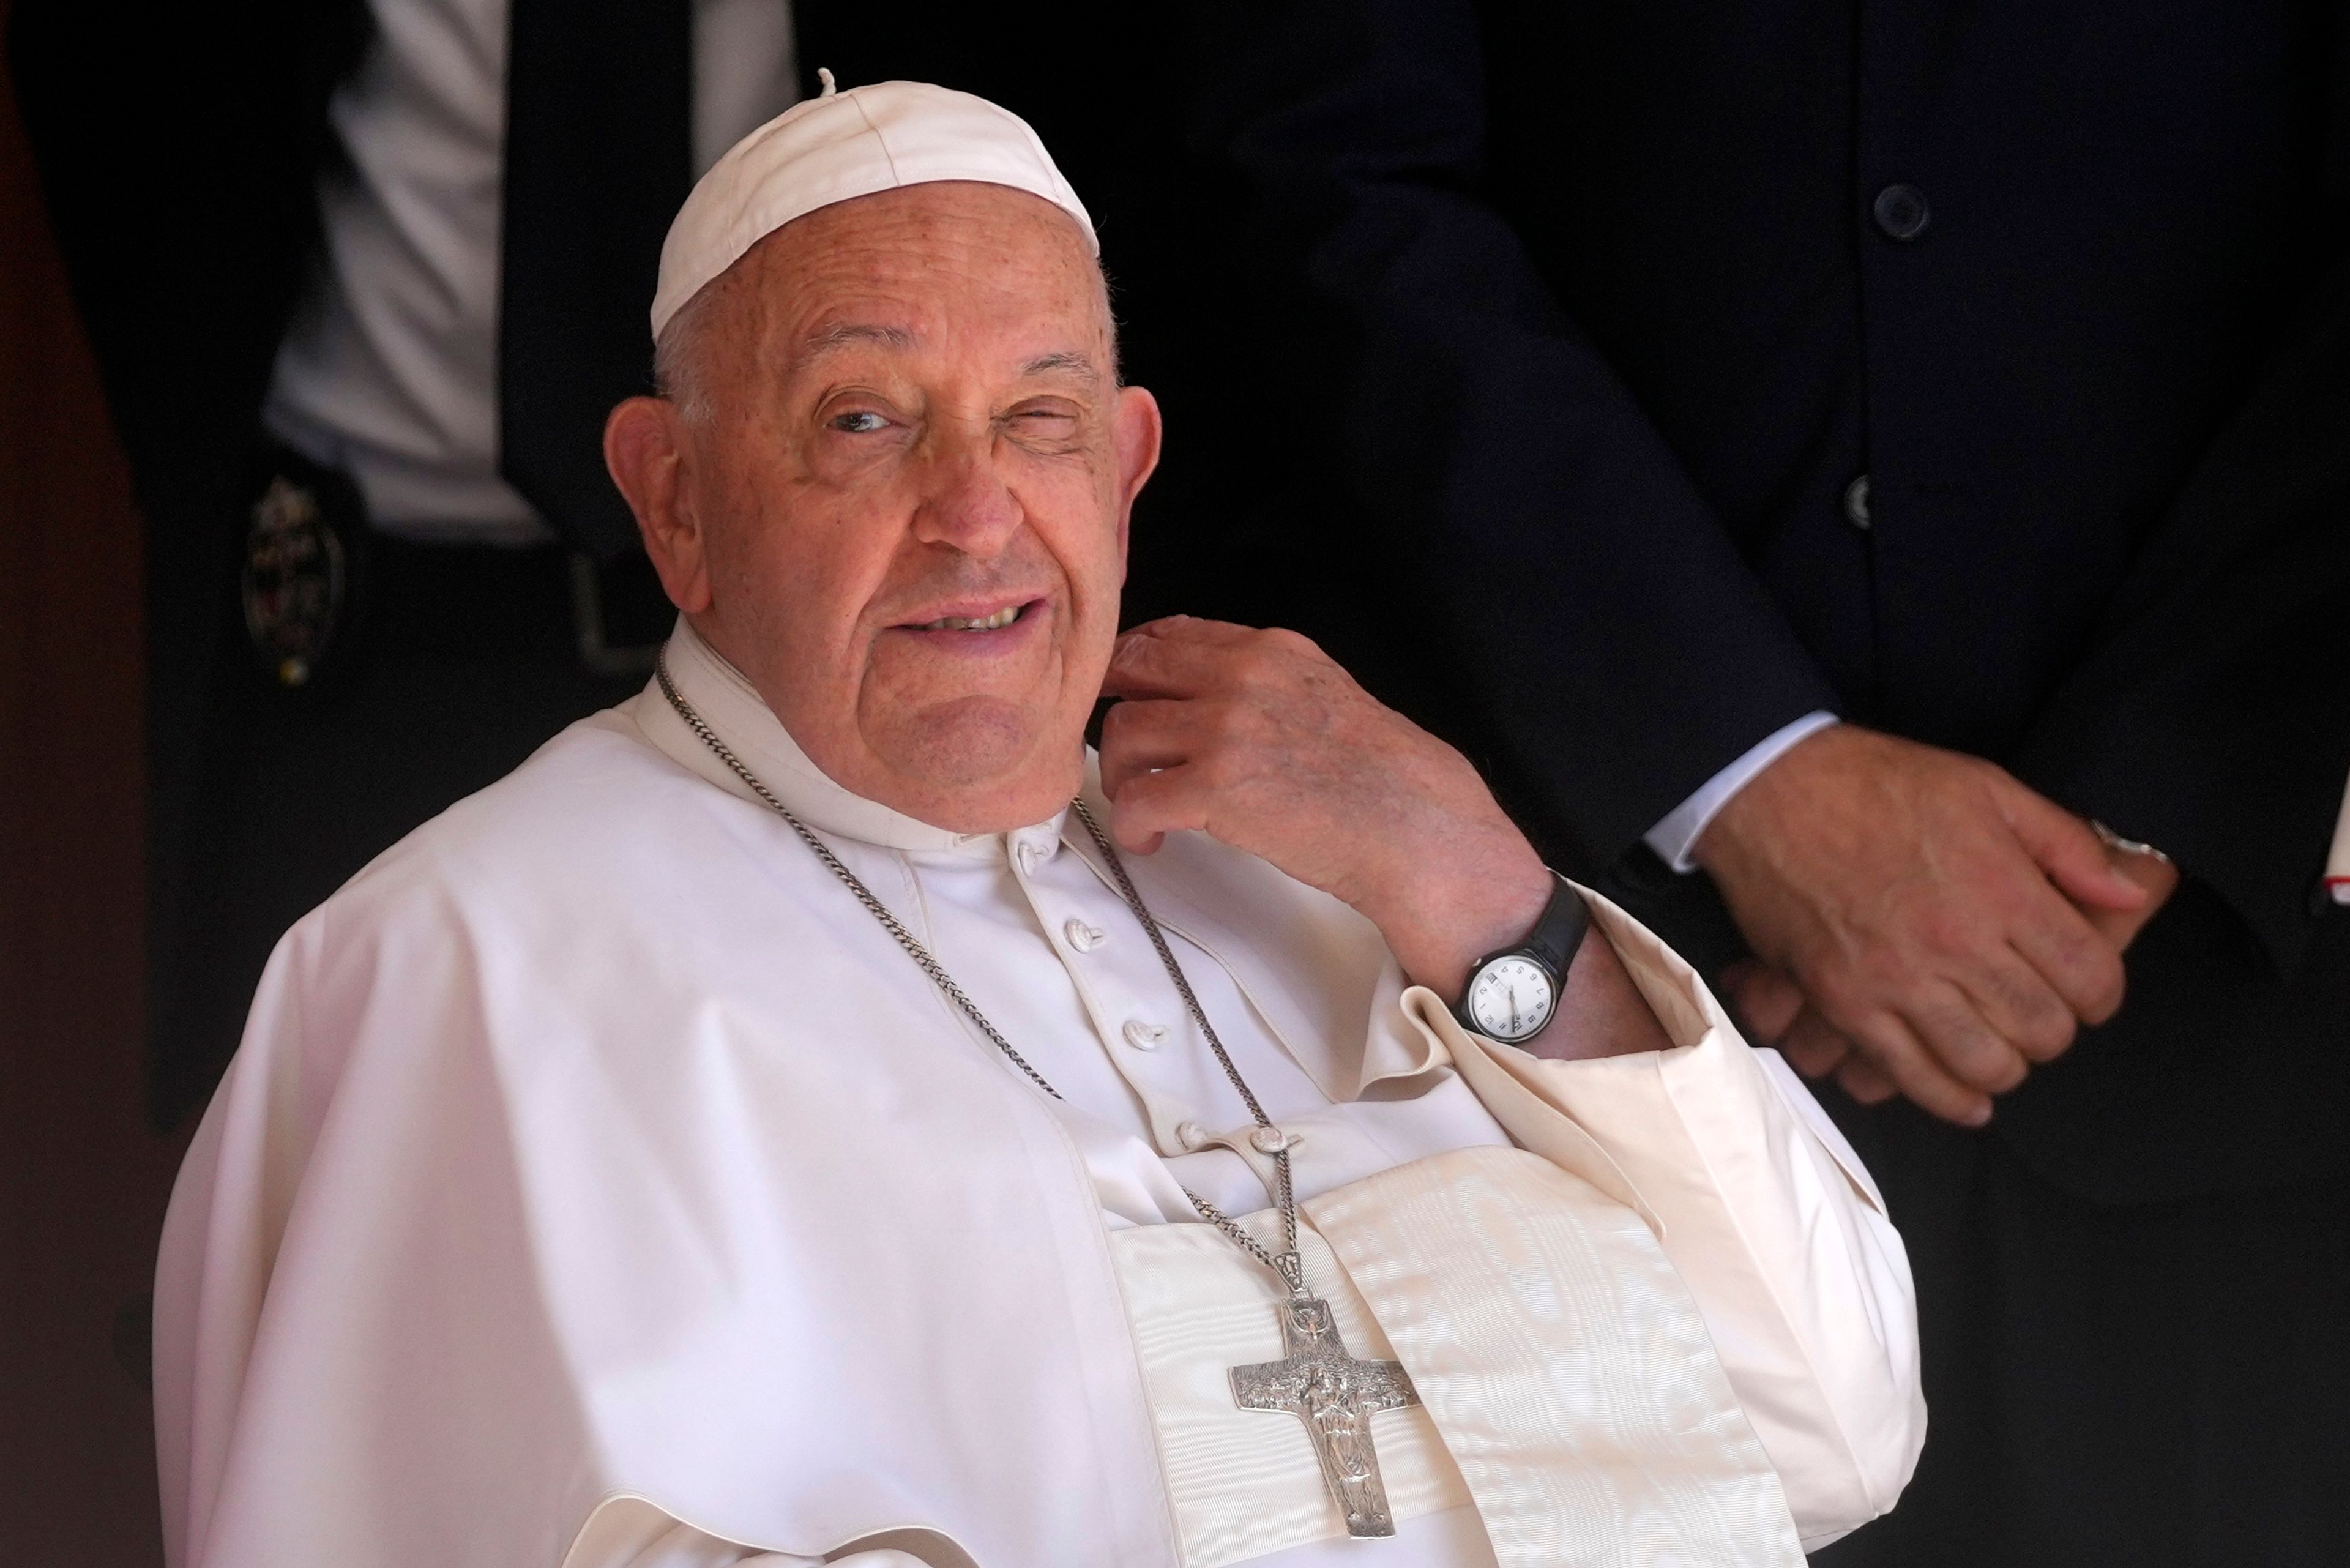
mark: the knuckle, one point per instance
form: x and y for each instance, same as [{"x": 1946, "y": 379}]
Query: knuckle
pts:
[
  {"x": 2005, "y": 1072},
  {"x": 2047, "y": 1033},
  {"x": 1946, "y": 933},
  {"x": 1977, "y": 1055},
  {"x": 1908, "y": 991},
  {"x": 1280, "y": 640},
  {"x": 1221, "y": 771},
  {"x": 2028, "y": 1011},
  {"x": 1255, "y": 674},
  {"x": 2044, "y": 1042},
  {"x": 1232, "y": 725},
  {"x": 2104, "y": 983}
]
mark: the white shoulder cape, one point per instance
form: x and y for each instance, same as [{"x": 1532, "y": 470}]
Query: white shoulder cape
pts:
[{"x": 591, "y": 1143}]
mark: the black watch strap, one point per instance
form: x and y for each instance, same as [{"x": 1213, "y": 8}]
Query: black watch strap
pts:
[
  {"x": 1559, "y": 933},
  {"x": 1553, "y": 944}
]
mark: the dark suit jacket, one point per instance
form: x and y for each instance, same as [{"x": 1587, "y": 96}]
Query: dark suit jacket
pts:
[{"x": 1600, "y": 324}]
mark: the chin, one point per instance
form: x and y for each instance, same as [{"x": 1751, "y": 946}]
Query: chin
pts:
[{"x": 984, "y": 765}]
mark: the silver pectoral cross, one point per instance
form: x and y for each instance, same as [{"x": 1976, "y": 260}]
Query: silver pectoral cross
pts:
[{"x": 1333, "y": 1394}]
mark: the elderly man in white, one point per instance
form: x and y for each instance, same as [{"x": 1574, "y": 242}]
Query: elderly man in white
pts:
[{"x": 816, "y": 1112}]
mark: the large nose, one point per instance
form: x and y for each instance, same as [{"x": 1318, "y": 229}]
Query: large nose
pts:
[{"x": 965, "y": 502}]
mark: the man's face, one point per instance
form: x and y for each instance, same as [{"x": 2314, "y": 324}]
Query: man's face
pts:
[{"x": 900, "y": 508}]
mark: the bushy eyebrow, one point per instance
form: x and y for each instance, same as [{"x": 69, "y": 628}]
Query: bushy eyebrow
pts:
[
  {"x": 817, "y": 343},
  {"x": 830, "y": 339},
  {"x": 1067, "y": 360}
]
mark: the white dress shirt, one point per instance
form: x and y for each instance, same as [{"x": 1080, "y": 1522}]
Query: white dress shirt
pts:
[{"x": 389, "y": 369}]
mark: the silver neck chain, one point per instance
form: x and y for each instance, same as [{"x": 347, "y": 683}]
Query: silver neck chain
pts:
[{"x": 1286, "y": 1263}]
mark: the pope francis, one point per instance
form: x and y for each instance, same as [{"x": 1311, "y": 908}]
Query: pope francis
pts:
[{"x": 818, "y": 1111}]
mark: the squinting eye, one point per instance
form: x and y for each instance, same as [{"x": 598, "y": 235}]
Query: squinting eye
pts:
[{"x": 862, "y": 423}]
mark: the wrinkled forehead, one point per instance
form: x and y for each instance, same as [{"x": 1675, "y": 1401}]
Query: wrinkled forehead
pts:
[{"x": 915, "y": 267}]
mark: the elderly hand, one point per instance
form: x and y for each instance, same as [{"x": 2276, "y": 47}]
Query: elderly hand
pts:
[
  {"x": 1257, "y": 738},
  {"x": 1926, "y": 913}
]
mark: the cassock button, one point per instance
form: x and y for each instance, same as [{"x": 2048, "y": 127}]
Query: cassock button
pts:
[
  {"x": 1856, "y": 503},
  {"x": 1145, "y": 1036},
  {"x": 1901, "y": 212},
  {"x": 1192, "y": 1134},
  {"x": 1083, "y": 936}
]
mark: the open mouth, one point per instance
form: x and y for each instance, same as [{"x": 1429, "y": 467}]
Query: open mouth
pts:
[
  {"x": 996, "y": 622},
  {"x": 993, "y": 621}
]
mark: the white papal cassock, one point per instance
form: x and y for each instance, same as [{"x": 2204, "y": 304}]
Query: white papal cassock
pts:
[{"x": 598, "y": 1184}]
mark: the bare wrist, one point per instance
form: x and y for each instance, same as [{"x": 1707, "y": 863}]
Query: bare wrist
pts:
[
  {"x": 1747, "y": 821},
  {"x": 1444, "y": 919}
]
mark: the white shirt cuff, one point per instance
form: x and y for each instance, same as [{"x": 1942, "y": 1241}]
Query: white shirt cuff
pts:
[
  {"x": 1761, "y": 1206},
  {"x": 1676, "y": 836}
]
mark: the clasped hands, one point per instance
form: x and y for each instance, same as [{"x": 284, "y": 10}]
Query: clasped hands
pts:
[{"x": 1923, "y": 924}]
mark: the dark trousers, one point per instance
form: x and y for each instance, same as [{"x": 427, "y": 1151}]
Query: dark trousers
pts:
[
  {"x": 2137, "y": 1385},
  {"x": 467, "y": 663}
]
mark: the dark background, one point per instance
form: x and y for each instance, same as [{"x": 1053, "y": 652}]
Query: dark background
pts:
[{"x": 83, "y": 1176}]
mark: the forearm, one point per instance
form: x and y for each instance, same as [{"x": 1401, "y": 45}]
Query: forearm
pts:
[{"x": 1480, "y": 889}]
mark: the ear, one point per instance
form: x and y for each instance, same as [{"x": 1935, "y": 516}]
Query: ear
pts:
[
  {"x": 1136, "y": 429},
  {"x": 645, "y": 451}
]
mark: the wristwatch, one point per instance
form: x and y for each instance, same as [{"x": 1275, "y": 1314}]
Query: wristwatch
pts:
[{"x": 1511, "y": 993}]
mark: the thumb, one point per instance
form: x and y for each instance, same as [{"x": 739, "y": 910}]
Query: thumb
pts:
[{"x": 2068, "y": 850}]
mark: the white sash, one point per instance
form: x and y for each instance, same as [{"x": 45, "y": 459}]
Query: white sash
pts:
[{"x": 1570, "y": 1388}]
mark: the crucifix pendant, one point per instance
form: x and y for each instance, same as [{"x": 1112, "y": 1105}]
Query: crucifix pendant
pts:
[{"x": 1333, "y": 1394}]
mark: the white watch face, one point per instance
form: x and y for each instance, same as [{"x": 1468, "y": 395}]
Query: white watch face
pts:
[{"x": 1509, "y": 998}]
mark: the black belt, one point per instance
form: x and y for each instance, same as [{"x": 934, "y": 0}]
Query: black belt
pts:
[{"x": 321, "y": 590}]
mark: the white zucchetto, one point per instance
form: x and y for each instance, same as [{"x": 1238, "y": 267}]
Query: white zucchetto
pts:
[{"x": 838, "y": 147}]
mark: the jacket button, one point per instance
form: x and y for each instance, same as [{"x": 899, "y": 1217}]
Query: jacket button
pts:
[
  {"x": 1856, "y": 503},
  {"x": 1901, "y": 212}
]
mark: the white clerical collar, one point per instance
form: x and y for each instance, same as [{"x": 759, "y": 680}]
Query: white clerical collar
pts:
[{"x": 733, "y": 707}]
